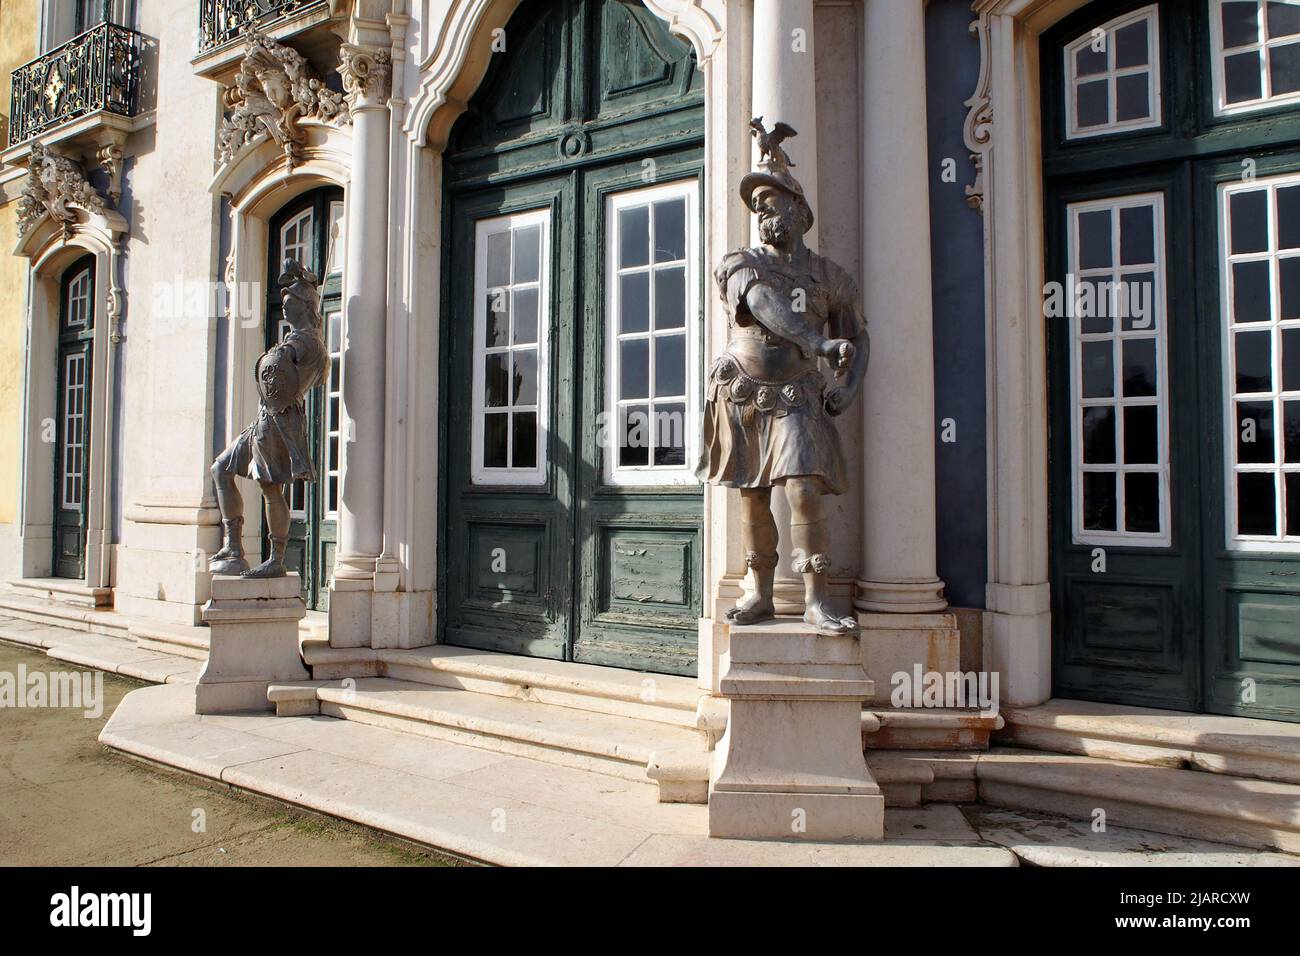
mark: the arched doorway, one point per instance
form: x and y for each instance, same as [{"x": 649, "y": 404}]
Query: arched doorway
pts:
[
  {"x": 73, "y": 417},
  {"x": 1172, "y": 163},
  {"x": 573, "y": 341},
  {"x": 309, "y": 229}
]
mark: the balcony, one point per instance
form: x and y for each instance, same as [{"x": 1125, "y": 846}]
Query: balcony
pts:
[
  {"x": 223, "y": 21},
  {"x": 95, "y": 73}
]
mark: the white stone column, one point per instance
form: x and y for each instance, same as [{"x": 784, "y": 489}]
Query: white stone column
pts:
[
  {"x": 784, "y": 91},
  {"x": 898, "y": 527},
  {"x": 366, "y": 73}
]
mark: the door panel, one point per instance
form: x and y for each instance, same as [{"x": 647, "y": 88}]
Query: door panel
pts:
[
  {"x": 1250, "y": 258},
  {"x": 510, "y": 400},
  {"x": 72, "y": 441},
  {"x": 1125, "y": 535}
]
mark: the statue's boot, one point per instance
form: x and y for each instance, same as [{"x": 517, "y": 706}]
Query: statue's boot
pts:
[
  {"x": 758, "y": 606},
  {"x": 810, "y": 559},
  {"x": 272, "y": 567},
  {"x": 230, "y": 559}
]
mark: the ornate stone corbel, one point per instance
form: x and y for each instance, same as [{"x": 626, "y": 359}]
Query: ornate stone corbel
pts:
[
  {"x": 275, "y": 88},
  {"x": 110, "y": 157},
  {"x": 56, "y": 186},
  {"x": 366, "y": 72},
  {"x": 978, "y": 128}
]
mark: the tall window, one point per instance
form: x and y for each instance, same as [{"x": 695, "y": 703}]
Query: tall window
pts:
[
  {"x": 651, "y": 333},
  {"x": 511, "y": 361}
]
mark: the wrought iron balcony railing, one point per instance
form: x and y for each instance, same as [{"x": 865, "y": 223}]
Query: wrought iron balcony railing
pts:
[
  {"x": 222, "y": 21},
  {"x": 96, "y": 70}
]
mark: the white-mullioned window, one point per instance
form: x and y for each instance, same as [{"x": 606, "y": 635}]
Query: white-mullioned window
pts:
[
  {"x": 77, "y": 310},
  {"x": 298, "y": 239},
  {"x": 1260, "y": 248},
  {"x": 333, "y": 396},
  {"x": 1119, "y": 371},
  {"x": 1255, "y": 46},
  {"x": 651, "y": 335},
  {"x": 74, "y": 430},
  {"x": 511, "y": 349},
  {"x": 1112, "y": 76},
  {"x": 334, "y": 256}
]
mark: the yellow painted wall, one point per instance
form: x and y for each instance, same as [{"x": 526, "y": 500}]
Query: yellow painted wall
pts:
[{"x": 18, "y": 22}]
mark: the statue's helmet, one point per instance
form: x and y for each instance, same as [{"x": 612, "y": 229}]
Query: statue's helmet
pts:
[
  {"x": 300, "y": 289},
  {"x": 773, "y": 170}
]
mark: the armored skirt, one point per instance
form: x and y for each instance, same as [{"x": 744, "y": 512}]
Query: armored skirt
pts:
[
  {"x": 275, "y": 447},
  {"x": 757, "y": 434}
]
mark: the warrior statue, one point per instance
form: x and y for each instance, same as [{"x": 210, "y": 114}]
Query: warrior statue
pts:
[
  {"x": 767, "y": 420},
  {"x": 273, "y": 451}
]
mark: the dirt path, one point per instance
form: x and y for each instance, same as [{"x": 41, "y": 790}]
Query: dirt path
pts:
[{"x": 65, "y": 800}]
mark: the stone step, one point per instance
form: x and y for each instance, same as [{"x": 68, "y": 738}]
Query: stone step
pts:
[
  {"x": 613, "y": 691},
  {"x": 182, "y": 640},
  {"x": 1207, "y": 806},
  {"x": 28, "y": 605},
  {"x": 1238, "y": 746},
  {"x": 614, "y": 745},
  {"x": 68, "y": 592},
  {"x": 926, "y": 728}
]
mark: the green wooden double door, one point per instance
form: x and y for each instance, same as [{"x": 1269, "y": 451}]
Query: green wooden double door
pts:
[
  {"x": 572, "y": 344},
  {"x": 73, "y": 415},
  {"x": 1173, "y": 336}
]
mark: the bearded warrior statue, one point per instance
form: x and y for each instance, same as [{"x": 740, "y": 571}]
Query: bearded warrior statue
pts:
[
  {"x": 274, "y": 450},
  {"x": 767, "y": 419}
]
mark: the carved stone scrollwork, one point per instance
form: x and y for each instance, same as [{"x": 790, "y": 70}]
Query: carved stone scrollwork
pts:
[
  {"x": 366, "y": 72},
  {"x": 110, "y": 158},
  {"x": 55, "y": 185},
  {"x": 275, "y": 88},
  {"x": 978, "y": 129}
]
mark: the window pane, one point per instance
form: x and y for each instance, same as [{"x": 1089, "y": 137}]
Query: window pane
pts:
[
  {"x": 1241, "y": 77},
  {"x": 1092, "y": 103},
  {"x": 634, "y": 369},
  {"x": 1291, "y": 432},
  {"x": 498, "y": 318},
  {"x": 1098, "y": 370},
  {"x": 496, "y": 379},
  {"x": 1251, "y": 284},
  {"x": 634, "y": 236},
  {"x": 1140, "y": 367},
  {"x": 670, "y": 230},
  {"x": 1132, "y": 97},
  {"x": 634, "y": 302},
  {"x": 635, "y": 434},
  {"x": 1089, "y": 62},
  {"x": 498, "y": 259},
  {"x": 1093, "y": 305},
  {"x": 1140, "y": 304},
  {"x": 1240, "y": 23},
  {"x": 1099, "y": 435},
  {"x": 1288, "y": 217},
  {"x": 1254, "y": 361},
  {"x": 1293, "y": 504},
  {"x": 1099, "y": 504},
  {"x": 1256, "y": 504},
  {"x": 1131, "y": 45},
  {"x": 1094, "y": 239},
  {"x": 494, "y": 440},
  {"x": 524, "y": 388},
  {"x": 1255, "y": 433},
  {"x": 1288, "y": 276},
  {"x": 1283, "y": 19},
  {"x": 524, "y": 447},
  {"x": 670, "y": 365},
  {"x": 1142, "y": 502},
  {"x": 1249, "y": 212},
  {"x": 1137, "y": 242},
  {"x": 670, "y": 434},
  {"x": 527, "y": 253},
  {"x": 525, "y": 327},
  {"x": 670, "y": 298},
  {"x": 1284, "y": 68},
  {"x": 1291, "y": 360},
  {"x": 1141, "y": 435}
]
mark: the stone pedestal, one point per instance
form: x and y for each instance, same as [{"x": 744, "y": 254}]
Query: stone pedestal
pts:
[
  {"x": 254, "y": 642},
  {"x": 790, "y": 766},
  {"x": 899, "y": 643}
]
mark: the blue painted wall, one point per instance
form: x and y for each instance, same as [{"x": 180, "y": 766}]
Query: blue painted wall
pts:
[{"x": 952, "y": 70}]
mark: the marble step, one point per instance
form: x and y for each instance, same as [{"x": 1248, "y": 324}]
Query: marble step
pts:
[
  {"x": 1207, "y": 806},
  {"x": 68, "y": 592},
  {"x": 1239, "y": 746},
  {"x": 613, "y": 691},
  {"x": 29, "y": 604},
  {"x": 614, "y": 745}
]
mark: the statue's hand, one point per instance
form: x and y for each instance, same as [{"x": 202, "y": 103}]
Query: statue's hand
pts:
[
  {"x": 838, "y": 399},
  {"x": 839, "y": 353}
]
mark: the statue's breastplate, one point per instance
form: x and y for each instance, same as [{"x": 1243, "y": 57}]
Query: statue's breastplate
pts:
[{"x": 287, "y": 371}]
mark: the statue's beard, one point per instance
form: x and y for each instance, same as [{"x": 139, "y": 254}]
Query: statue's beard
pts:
[{"x": 773, "y": 230}]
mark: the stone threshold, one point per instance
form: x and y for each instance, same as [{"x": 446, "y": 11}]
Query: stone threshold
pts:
[
  {"x": 1238, "y": 746},
  {"x": 490, "y": 806}
]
